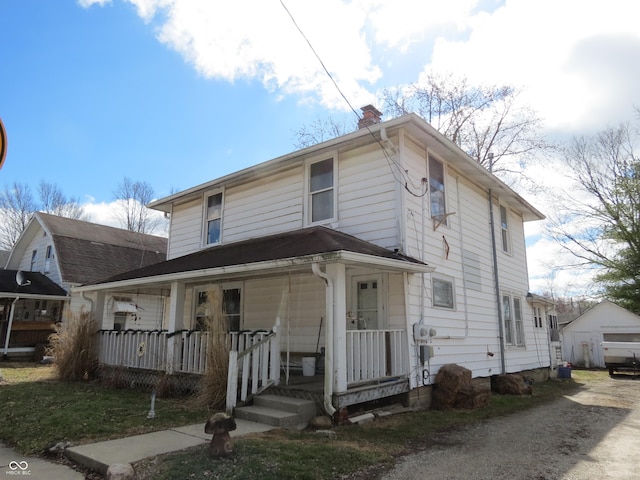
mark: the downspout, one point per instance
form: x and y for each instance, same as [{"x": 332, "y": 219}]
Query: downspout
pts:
[
  {"x": 328, "y": 359},
  {"x": 6, "y": 341},
  {"x": 496, "y": 282}
]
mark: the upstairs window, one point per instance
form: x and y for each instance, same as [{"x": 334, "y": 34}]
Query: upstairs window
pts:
[
  {"x": 47, "y": 260},
  {"x": 34, "y": 254},
  {"x": 321, "y": 191},
  {"x": 504, "y": 228},
  {"x": 213, "y": 226},
  {"x": 437, "y": 193}
]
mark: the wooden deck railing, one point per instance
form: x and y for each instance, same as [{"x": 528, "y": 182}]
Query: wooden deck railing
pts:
[{"x": 375, "y": 355}]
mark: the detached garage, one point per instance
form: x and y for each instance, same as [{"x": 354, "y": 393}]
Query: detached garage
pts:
[{"x": 605, "y": 322}]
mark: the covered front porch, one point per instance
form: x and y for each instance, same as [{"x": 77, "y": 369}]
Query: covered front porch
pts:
[
  {"x": 345, "y": 308},
  {"x": 30, "y": 306}
]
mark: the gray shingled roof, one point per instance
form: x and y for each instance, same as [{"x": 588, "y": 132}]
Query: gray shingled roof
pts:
[
  {"x": 299, "y": 243},
  {"x": 88, "y": 252}
]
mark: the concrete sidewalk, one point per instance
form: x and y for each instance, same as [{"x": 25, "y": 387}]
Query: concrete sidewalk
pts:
[
  {"x": 98, "y": 456},
  {"x": 13, "y": 465}
]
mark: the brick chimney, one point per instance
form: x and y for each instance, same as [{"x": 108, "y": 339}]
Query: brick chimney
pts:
[{"x": 370, "y": 116}]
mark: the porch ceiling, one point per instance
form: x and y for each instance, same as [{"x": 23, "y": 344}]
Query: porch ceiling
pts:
[{"x": 290, "y": 251}]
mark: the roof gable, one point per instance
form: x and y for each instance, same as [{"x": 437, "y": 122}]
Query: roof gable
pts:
[
  {"x": 604, "y": 313},
  {"x": 86, "y": 252}
]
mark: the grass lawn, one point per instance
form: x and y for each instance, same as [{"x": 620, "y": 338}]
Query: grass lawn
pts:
[{"x": 37, "y": 411}]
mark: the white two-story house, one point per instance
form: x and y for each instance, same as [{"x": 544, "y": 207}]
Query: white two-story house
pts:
[{"x": 383, "y": 254}]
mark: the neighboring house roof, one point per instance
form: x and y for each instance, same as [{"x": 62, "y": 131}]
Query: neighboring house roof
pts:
[
  {"x": 410, "y": 123},
  {"x": 297, "y": 244},
  {"x": 35, "y": 285},
  {"x": 607, "y": 313},
  {"x": 87, "y": 252}
]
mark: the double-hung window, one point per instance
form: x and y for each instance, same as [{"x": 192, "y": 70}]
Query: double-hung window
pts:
[
  {"x": 34, "y": 255},
  {"x": 512, "y": 318},
  {"x": 213, "y": 219},
  {"x": 437, "y": 194},
  {"x": 322, "y": 184},
  {"x": 47, "y": 259}
]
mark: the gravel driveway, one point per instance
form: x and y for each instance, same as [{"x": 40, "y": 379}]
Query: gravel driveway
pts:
[{"x": 593, "y": 434}]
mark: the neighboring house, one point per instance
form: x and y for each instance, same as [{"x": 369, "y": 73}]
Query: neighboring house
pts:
[
  {"x": 54, "y": 254},
  {"x": 582, "y": 338},
  {"x": 373, "y": 253},
  {"x": 4, "y": 256}
]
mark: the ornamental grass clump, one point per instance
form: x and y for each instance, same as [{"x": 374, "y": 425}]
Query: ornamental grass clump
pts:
[
  {"x": 212, "y": 387},
  {"x": 73, "y": 347}
]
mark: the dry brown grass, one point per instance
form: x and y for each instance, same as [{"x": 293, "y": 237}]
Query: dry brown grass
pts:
[
  {"x": 212, "y": 388},
  {"x": 73, "y": 348}
]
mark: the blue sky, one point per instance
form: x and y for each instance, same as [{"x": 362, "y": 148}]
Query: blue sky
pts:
[{"x": 176, "y": 93}]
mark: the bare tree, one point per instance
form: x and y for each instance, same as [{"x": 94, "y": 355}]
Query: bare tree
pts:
[
  {"x": 598, "y": 220},
  {"x": 53, "y": 201},
  {"x": 16, "y": 207},
  {"x": 486, "y": 121},
  {"x": 132, "y": 198},
  {"x": 320, "y": 130}
]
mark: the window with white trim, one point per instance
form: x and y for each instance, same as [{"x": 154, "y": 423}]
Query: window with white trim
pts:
[
  {"x": 213, "y": 219},
  {"x": 443, "y": 293},
  {"x": 537, "y": 317},
  {"x": 437, "y": 193},
  {"x": 34, "y": 254},
  {"x": 231, "y": 309},
  {"x": 504, "y": 228},
  {"x": 47, "y": 260},
  {"x": 512, "y": 319},
  {"x": 322, "y": 193}
]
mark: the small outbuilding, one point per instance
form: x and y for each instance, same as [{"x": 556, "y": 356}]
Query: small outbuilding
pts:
[{"x": 606, "y": 321}]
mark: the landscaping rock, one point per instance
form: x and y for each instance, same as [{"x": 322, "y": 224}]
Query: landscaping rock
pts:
[
  {"x": 512, "y": 384},
  {"x": 120, "y": 471},
  {"x": 320, "y": 422},
  {"x": 451, "y": 378}
]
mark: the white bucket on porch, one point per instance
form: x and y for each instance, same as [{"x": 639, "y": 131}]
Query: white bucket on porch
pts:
[{"x": 308, "y": 366}]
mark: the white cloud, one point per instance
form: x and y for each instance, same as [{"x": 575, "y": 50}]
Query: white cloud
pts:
[{"x": 540, "y": 44}]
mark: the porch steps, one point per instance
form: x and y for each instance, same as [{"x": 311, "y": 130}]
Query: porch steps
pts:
[{"x": 278, "y": 411}]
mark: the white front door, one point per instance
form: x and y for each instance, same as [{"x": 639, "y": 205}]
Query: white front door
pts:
[{"x": 367, "y": 299}]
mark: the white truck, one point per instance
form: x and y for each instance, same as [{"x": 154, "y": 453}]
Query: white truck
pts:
[{"x": 621, "y": 356}]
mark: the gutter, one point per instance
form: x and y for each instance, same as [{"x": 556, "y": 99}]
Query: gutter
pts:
[{"x": 328, "y": 358}]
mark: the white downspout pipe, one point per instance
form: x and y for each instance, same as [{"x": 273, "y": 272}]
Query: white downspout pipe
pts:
[
  {"x": 328, "y": 343},
  {"x": 6, "y": 340}
]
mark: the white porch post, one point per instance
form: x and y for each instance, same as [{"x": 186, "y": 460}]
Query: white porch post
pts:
[
  {"x": 176, "y": 321},
  {"x": 337, "y": 273}
]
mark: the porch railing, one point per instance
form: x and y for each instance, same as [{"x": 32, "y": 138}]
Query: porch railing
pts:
[
  {"x": 135, "y": 349},
  {"x": 151, "y": 349},
  {"x": 376, "y": 355},
  {"x": 253, "y": 366}
]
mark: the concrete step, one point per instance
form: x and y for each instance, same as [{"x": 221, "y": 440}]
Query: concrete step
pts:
[
  {"x": 306, "y": 408},
  {"x": 270, "y": 416}
]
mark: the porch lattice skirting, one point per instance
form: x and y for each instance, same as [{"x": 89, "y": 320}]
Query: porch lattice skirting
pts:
[{"x": 148, "y": 380}]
